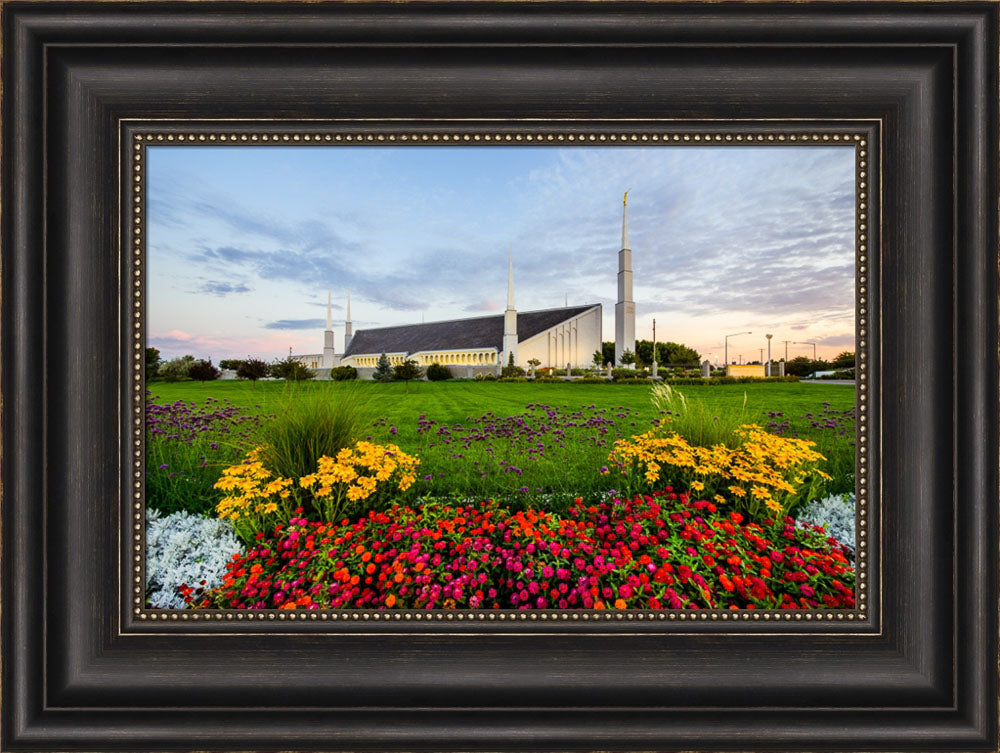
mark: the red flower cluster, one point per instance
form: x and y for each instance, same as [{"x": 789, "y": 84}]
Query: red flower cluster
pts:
[{"x": 660, "y": 551}]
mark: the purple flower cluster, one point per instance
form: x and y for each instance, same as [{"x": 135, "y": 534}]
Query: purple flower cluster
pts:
[{"x": 185, "y": 422}]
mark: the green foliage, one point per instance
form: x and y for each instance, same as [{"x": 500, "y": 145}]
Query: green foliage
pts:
[
  {"x": 608, "y": 352},
  {"x": 513, "y": 379},
  {"x": 621, "y": 373},
  {"x": 627, "y": 357},
  {"x": 486, "y": 377},
  {"x": 675, "y": 354},
  {"x": 343, "y": 373},
  {"x": 803, "y": 366},
  {"x": 843, "y": 360},
  {"x": 698, "y": 422},
  {"x": 204, "y": 371},
  {"x": 252, "y": 369},
  {"x": 308, "y": 424},
  {"x": 407, "y": 371},
  {"x": 383, "y": 369},
  {"x": 436, "y": 372},
  {"x": 597, "y": 359},
  {"x": 511, "y": 370},
  {"x": 152, "y": 362},
  {"x": 291, "y": 370},
  {"x": 177, "y": 368},
  {"x": 230, "y": 364}
]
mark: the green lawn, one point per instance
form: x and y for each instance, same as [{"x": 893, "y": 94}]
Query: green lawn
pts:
[
  {"x": 514, "y": 441},
  {"x": 452, "y": 401}
]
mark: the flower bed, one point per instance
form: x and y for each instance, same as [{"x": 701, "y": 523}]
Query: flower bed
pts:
[{"x": 658, "y": 551}]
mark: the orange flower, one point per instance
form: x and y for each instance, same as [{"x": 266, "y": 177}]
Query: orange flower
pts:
[
  {"x": 619, "y": 603},
  {"x": 390, "y": 600}
]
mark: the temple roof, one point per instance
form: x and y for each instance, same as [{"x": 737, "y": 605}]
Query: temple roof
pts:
[{"x": 457, "y": 334}]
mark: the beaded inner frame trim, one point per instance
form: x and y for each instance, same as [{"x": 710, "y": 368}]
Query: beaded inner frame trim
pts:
[{"x": 136, "y": 137}]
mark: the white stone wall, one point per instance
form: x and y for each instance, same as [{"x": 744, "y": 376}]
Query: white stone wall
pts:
[{"x": 571, "y": 342}]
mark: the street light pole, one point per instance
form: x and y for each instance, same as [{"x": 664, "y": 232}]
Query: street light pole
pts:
[
  {"x": 735, "y": 334},
  {"x": 767, "y": 371}
]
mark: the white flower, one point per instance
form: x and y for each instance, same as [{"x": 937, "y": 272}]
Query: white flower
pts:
[
  {"x": 835, "y": 513},
  {"x": 182, "y": 548}
]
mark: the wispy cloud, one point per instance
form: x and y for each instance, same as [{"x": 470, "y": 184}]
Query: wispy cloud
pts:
[{"x": 296, "y": 324}]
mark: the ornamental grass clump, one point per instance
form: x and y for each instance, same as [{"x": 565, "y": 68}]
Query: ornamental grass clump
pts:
[
  {"x": 765, "y": 474},
  {"x": 310, "y": 422},
  {"x": 256, "y": 500},
  {"x": 658, "y": 551},
  {"x": 698, "y": 423}
]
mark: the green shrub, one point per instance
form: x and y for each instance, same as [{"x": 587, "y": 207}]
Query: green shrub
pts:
[
  {"x": 204, "y": 371},
  {"x": 176, "y": 369},
  {"x": 619, "y": 374},
  {"x": 513, "y": 379},
  {"x": 591, "y": 380},
  {"x": 436, "y": 372},
  {"x": 252, "y": 369},
  {"x": 343, "y": 373},
  {"x": 310, "y": 423},
  {"x": 486, "y": 377},
  {"x": 549, "y": 379},
  {"x": 152, "y": 362},
  {"x": 698, "y": 423},
  {"x": 291, "y": 370}
]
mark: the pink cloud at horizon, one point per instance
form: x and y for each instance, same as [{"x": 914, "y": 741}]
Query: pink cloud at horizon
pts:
[{"x": 176, "y": 343}]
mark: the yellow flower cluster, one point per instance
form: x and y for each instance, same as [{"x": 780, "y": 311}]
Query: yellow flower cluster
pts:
[
  {"x": 255, "y": 500},
  {"x": 765, "y": 469},
  {"x": 356, "y": 474}
]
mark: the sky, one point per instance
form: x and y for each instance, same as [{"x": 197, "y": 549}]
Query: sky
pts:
[{"x": 245, "y": 241}]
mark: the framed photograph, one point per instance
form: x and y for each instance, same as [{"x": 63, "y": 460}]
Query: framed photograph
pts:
[{"x": 542, "y": 376}]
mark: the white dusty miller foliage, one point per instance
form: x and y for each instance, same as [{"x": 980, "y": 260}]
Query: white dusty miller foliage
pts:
[
  {"x": 182, "y": 548},
  {"x": 835, "y": 513}
]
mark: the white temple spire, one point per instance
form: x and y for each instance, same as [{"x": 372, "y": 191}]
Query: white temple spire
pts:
[
  {"x": 625, "y": 308},
  {"x": 510, "y": 316},
  {"x": 328, "y": 346},
  {"x": 625, "y": 220},
  {"x": 348, "y": 324},
  {"x": 510, "y": 279}
]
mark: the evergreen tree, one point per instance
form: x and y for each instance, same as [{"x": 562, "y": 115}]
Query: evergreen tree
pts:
[
  {"x": 598, "y": 359},
  {"x": 628, "y": 357},
  {"x": 383, "y": 370},
  {"x": 511, "y": 370}
]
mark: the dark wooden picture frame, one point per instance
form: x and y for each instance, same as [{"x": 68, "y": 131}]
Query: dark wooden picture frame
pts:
[{"x": 918, "y": 671}]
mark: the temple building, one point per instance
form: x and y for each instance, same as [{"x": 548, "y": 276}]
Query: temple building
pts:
[{"x": 555, "y": 337}]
